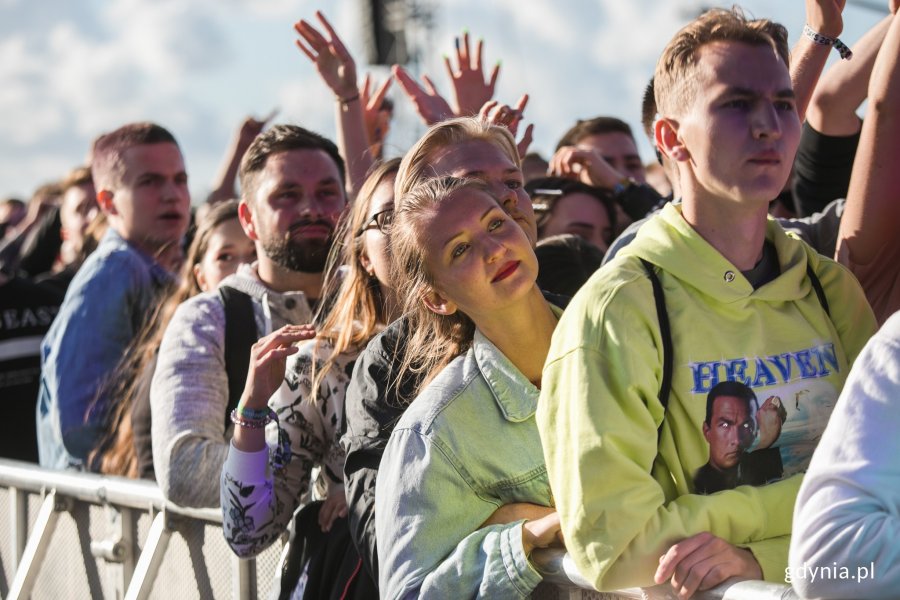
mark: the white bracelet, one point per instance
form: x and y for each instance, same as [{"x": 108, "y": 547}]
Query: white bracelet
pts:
[{"x": 824, "y": 40}]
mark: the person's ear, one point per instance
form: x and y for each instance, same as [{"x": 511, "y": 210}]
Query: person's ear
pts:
[
  {"x": 706, "y": 430},
  {"x": 366, "y": 263},
  {"x": 105, "y": 201},
  {"x": 200, "y": 277},
  {"x": 245, "y": 216},
  {"x": 438, "y": 304},
  {"x": 668, "y": 141}
]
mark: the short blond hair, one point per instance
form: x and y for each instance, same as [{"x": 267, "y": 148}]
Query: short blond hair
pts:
[
  {"x": 416, "y": 164},
  {"x": 675, "y": 81}
]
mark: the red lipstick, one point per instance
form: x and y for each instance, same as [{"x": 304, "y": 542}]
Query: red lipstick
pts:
[{"x": 505, "y": 271}]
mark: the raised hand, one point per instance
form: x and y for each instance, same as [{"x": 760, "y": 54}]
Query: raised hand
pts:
[
  {"x": 376, "y": 113},
  {"x": 824, "y": 16},
  {"x": 268, "y": 357},
  {"x": 703, "y": 561},
  {"x": 252, "y": 127},
  {"x": 430, "y": 105},
  {"x": 506, "y": 116},
  {"x": 585, "y": 165},
  {"x": 331, "y": 58},
  {"x": 470, "y": 88}
]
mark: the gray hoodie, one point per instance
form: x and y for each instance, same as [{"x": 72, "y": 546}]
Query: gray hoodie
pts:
[{"x": 189, "y": 392}]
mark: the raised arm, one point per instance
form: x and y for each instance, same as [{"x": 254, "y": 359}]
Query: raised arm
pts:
[
  {"x": 377, "y": 113},
  {"x": 337, "y": 69},
  {"x": 808, "y": 58},
  {"x": 832, "y": 109},
  {"x": 224, "y": 186},
  {"x": 471, "y": 88},
  {"x": 429, "y": 104},
  {"x": 867, "y": 239},
  {"x": 830, "y": 136}
]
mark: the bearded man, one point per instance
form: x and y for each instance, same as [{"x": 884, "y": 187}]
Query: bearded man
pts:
[{"x": 292, "y": 194}]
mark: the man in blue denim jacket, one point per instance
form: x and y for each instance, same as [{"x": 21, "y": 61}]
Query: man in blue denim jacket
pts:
[{"x": 141, "y": 185}]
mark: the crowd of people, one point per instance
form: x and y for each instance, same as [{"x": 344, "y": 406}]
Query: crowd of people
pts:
[{"x": 423, "y": 368}]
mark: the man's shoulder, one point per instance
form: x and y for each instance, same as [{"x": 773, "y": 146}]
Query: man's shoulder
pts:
[
  {"x": 619, "y": 282},
  {"x": 201, "y": 316},
  {"x": 112, "y": 267}
]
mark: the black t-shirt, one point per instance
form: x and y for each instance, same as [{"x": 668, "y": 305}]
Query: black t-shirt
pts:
[
  {"x": 26, "y": 311},
  {"x": 822, "y": 169},
  {"x": 766, "y": 269}
]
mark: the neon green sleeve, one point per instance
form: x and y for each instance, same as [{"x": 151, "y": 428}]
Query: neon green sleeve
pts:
[{"x": 772, "y": 556}]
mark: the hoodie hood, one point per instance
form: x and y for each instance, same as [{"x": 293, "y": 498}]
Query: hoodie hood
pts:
[{"x": 669, "y": 242}]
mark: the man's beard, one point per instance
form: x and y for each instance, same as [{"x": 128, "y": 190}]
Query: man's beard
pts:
[{"x": 300, "y": 254}]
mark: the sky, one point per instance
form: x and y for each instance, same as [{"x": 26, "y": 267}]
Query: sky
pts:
[{"x": 70, "y": 70}]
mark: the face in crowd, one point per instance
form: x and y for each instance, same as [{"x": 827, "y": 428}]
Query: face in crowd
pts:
[
  {"x": 739, "y": 134},
  {"x": 480, "y": 260},
  {"x": 150, "y": 202},
  {"x": 486, "y": 162},
  {"x": 296, "y": 204},
  {"x": 227, "y": 248}
]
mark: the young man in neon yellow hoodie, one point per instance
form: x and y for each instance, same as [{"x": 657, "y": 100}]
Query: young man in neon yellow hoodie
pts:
[{"x": 743, "y": 305}]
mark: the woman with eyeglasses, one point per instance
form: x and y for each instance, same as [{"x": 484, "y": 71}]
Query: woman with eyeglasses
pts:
[{"x": 262, "y": 487}]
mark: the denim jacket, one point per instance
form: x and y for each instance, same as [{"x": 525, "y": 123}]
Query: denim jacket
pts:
[
  {"x": 466, "y": 446},
  {"x": 104, "y": 308}
]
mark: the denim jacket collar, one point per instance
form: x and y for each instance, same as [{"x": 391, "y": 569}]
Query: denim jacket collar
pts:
[
  {"x": 158, "y": 273},
  {"x": 516, "y": 396}
]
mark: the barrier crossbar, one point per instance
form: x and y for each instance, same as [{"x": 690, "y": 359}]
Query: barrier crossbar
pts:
[{"x": 90, "y": 535}]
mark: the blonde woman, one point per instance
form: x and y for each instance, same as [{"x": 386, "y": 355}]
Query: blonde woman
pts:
[
  {"x": 377, "y": 397},
  {"x": 462, "y": 495},
  {"x": 262, "y": 488}
]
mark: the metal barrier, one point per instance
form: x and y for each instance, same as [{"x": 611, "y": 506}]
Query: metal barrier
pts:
[{"x": 81, "y": 535}]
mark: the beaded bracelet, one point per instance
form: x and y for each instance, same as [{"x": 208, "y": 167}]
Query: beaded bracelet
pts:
[
  {"x": 824, "y": 40},
  {"x": 254, "y": 414},
  {"x": 249, "y": 423},
  {"x": 280, "y": 455}
]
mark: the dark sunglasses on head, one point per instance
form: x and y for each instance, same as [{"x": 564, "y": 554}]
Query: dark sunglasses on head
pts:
[{"x": 381, "y": 221}]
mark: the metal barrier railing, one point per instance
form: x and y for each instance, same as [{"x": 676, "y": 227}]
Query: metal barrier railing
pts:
[
  {"x": 129, "y": 499},
  {"x": 146, "y": 569}
]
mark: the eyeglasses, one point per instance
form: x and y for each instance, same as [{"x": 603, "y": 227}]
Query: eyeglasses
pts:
[{"x": 381, "y": 221}]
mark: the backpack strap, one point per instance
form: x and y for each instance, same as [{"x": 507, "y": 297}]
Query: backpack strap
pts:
[
  {"x": 665, "y": 333},
  {"x": 817, "y": 286},
  {"x": 240, "y": 335}
]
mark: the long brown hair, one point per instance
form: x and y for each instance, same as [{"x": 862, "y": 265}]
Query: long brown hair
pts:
[
  {"x": 358, "y": 311},
  {"x": 434, "y": 340},
  {"x": 116, "y": 455}
]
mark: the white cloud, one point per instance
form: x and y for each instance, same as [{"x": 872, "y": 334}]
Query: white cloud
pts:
[{"x": 69, "y": 70}]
